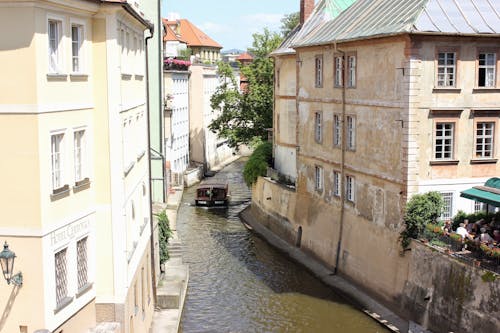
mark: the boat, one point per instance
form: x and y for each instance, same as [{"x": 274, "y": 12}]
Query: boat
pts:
[{"x": 212, "y": 194}]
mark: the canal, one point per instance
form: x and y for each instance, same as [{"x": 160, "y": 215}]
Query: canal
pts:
[{"x": 239, "y": 283}]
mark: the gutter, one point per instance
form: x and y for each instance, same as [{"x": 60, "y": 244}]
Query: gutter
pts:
[{"x": 151, "y": 224}]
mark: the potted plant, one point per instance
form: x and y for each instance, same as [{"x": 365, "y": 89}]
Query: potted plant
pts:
[{"x": 456, "y": 241}]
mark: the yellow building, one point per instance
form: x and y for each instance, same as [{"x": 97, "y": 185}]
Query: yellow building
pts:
[{"x": 75, "y": 180}]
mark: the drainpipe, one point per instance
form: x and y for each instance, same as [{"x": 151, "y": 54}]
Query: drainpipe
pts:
[
  {"x": 161, "y": 94},
  {"x": 342, "y": 160},
  {"x": 151, "y": 241}
]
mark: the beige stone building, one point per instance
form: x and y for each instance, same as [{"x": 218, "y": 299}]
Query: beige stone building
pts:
[
  {"x": 75, "y": 181},
  {"x": 370, "y": 111}
]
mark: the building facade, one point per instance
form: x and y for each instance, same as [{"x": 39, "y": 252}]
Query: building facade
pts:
[{"x": 80, "y": 128}]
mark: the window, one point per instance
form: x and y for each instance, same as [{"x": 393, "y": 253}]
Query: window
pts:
[
  {"x": 336, "y": 184},
  {"x": 448, "y": 205},
  {"x": 486, "y": 70},
  {"x": 349, "y": 188},
  {"x": 318, "y": 135},
  {"x": 337, "y": 130},
  {"x": 79, "y": 150},
  {"x": 57, "y": 167},
  {"x": 61, "y": 273},
  {"x": 318, "y": 178},
  {"x": 484, "y": 139},
  {"x": 351, "y": 74},
  {"x": 339, "y": 64},
  {"x": 76, "y": 45},
  {"x": 443, "y": 147},
  {"x": 479, "y": 206},
  {"x": 446, "y": 69},
  {"x": 351, "y": 133},
  {"x": 318, "y": 71},
  {"x": 55, "y": 57},
  {"x": 81, "y": 262}
]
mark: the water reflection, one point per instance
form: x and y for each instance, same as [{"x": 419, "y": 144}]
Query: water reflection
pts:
[{"x": 238, "y": 283}]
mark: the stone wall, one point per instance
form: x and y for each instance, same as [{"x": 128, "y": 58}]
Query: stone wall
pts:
[{"x": 423, "y": 285}]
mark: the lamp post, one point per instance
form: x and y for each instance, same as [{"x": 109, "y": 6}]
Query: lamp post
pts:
[{"x": 7, "y": 262}]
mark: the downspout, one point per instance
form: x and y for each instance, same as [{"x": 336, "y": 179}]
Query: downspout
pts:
[
  {"x": 161, "y": 94},
  {"x": 151, "y": 224},
  {"x": 342, "y": 160}
]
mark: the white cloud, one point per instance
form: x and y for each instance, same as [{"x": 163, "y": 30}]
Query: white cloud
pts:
[
  {"x": 263, "y": 20},
  {"x": 211, "y": 27}
]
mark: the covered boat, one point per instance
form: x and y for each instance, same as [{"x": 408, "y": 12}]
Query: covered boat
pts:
[{"x": 212, "y": 194}]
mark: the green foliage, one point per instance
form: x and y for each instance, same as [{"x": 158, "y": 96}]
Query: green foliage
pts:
[
  {"x": 257, "y": 163},
  {"x": 489, "y": 277},
  {"x": 420, "y": 210},
  {"x": 185, "y": 53},
  {"x": 248, "y": 114},
  {"x": 165, "y": 233},
  {"x": 474, "y": 217},
  {"x": 289, "y": 22}
]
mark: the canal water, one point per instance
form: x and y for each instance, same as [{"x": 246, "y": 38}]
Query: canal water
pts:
[{"x": 239, "y": 283}]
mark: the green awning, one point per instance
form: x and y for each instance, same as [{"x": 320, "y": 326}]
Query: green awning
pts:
[{"x": 483, "y": 196}]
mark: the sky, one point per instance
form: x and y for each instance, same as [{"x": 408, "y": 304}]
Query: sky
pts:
[{"x": 231, "y": 23}]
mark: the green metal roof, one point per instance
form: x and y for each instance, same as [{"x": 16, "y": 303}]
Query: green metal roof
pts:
[{"x": 489, "y": 193}]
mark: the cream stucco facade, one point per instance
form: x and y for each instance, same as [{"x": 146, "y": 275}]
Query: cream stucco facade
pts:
[{"x": 75, "y": 194}]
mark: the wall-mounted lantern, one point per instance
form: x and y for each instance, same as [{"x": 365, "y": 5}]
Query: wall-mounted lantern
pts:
[{"x": 7, "y": 258}]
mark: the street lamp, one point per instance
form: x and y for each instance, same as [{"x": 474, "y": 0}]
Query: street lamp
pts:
[{"x": 7, "y": 262}]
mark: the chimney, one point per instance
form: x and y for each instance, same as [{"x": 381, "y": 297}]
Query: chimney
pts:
[{"x": 306, "y": 8}]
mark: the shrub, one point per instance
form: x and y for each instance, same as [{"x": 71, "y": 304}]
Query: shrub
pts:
[
  {"x": 257, "y": 163},
  {"x": 420, "y": 210},
  {"x": 164, "y": 234}
]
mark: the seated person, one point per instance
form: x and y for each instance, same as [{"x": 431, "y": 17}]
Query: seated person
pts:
[
  {"x": 463, "y": 232},
  {"x": 496, "y": 235},
  {"x": 485, "y": 237},
  {"x": 447, "y": 227}
]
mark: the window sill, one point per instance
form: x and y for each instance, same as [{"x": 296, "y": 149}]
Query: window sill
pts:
[
  {"x": 444, "y": 90},
  {"x": 484, "y": 161},
  {"x": 78, "y": 77},
  {"x": 126, "y": 77},
  {"x": 444, "y": 162},
  {"x": 128, "y": 168},
  {"x": 84, "y": 289},
  {"x": 57, "y": 77},
  {"x": 139, "y": 77},
  {"x": 81, "y": 185},
  {"x": 59, "y": 193},
  {"x": 141, "y": 154},
  {"x": 64, "y": 303},
  {"x": 485, "y": 90}
]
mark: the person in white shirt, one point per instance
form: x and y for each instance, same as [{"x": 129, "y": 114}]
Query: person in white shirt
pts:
[{"x": 463, "y": 232}]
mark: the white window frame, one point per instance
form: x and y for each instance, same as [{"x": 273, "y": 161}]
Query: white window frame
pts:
[
  {"x": 318, "y": 71},
  {"x": 483, "y": 141},
  {"x": 339, "y": 67},
  {"x": 446, "y": 141},
  {"x": 337, "y": 130},
  {"x": 447, "y": 212},
  {"x": 318, "y": 178},
  {"x": 489, "y": 82},
  {"x": 60, "y": 282},
  {"x": 80, "y": 153},
  {"x": 351, "y": 71},
  {"x": 318, "y": 126},
  {"x": 57, "y": 159},
  {"x": 79, "y": 57},
  {"x": 350, "y": 188},
  {"x": 351, "y": 132},
  {"x": 446, "y": 73},
  {"x": 336, "y": 183},
  {"x": 55, "y": 46}
]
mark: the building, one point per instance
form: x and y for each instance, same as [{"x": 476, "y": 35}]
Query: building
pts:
[
  {"x": 370, "y": 112},
  {"x": 203, "y": 48},
  {"x": 206, "y": 148},
  {"x": 79, "y": 125}
]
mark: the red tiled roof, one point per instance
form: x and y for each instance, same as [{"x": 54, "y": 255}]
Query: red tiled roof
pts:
[
  {"x": 244, "y": 56},
  {"x": 171, "y": 36},
  {"x": 192, "y": 35}
]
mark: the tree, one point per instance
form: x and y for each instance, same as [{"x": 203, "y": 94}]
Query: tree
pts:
[
  {"x": 257, "y": 163},
  {"x": 420, "y": 210},
  {"x": 248, "y": 114},
  {"x": 288, "y": 23}
]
